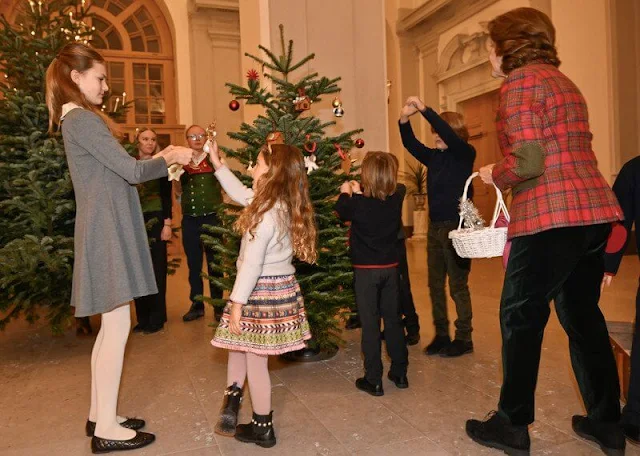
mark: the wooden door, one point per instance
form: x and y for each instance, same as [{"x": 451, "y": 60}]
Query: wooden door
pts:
[{"x": 480, "y": 114}]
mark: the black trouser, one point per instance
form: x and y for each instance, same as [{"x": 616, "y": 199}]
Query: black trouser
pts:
[
  {"x": 407, "y": 307},
  {"x": 151, "y": 311},
  {"x": 194, "y": 249},
  {"x": 376, "y": 297},
  {"x": 631, "y": 411},
  {"x": 443, "y": 261},
  {"x": 565, "y": 265}
]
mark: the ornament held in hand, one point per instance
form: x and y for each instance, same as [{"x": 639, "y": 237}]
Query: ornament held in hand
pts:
[{"x": 174, "y": 172}]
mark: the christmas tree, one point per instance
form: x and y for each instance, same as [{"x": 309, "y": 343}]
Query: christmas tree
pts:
[
  {"x": 327, "y": 285},
  {"x": 36, "y": 195}
]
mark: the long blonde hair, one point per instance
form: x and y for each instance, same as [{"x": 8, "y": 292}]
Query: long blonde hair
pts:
[
  {"x": 60, "y": 89},
  {"x": 285, "y": 182}
]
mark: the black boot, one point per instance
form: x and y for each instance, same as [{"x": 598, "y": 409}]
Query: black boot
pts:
[
  {"x": 609, "y": 436},
  {"x": 259, "y": 431},
  {"x": 438, "y": 344},
  {"x": 498, "y": 432},
  {"x": 228, "y": 420}
]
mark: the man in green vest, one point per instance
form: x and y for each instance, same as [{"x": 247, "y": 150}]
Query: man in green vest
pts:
[{"x": 200, "y": 195}]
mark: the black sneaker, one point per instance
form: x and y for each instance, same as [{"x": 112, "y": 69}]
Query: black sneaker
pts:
[
  {"x": 609, "y": 436},
  {"x": 457, "y": 348},
  {"x": 364, "y": 385},
  {"x": 193, "y": 314},
  {"x": 413, "y": 339},
  {"x": 353, "y": 322},
  {"x": 632, "y": 433},
  {"x": 437, "y": 344},
  {"x": 497, "y": 432}
]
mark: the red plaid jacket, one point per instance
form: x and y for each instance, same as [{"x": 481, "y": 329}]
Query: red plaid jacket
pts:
[{"x": 543, "y": 130}]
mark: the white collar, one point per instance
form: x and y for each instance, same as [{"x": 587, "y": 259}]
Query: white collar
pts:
[{"x": 68, "y": 107}]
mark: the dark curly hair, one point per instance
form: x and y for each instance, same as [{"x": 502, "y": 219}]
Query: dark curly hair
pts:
[{"x": 522, "y": 36}]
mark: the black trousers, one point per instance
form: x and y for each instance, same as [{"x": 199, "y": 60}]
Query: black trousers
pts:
[
  {"x": 377, "y": 297},
  {"x": 407, "y": 307},
  {"x": 631, "y": 411},
  {"x": 151, "y": 311},
  {"x": 565, "y": 265},
  {"x": 194, "y": 249}
]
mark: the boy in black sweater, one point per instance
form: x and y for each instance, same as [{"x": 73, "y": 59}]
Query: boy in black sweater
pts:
[
  {"x": 448, "y": 167},
  {"x": 375, "y": 215}
]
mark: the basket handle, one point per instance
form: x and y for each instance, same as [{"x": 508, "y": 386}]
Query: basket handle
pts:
[{"x": 499, "y": 207}]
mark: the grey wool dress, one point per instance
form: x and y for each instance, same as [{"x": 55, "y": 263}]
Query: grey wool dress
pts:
[{"x": 112, "y": 262}]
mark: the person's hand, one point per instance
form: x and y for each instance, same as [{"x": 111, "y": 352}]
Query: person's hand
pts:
[
  {"x": 346, "y": 188},
  {"x": 606, "y": 281},
  {"x": 178, "y": 154},
  {"x": 417, "y": 102},
  {"x": 165, "y": 234},
  {"x": 355, "y": 186},
  {"x": 234, "y": 319},
  {"x": 214, "y": 154},
  {"x": 407, "y": 111},
  {"x": 486, "y": 173}
]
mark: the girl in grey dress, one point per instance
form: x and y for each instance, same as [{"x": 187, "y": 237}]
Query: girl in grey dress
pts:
[{"x": 112, "y": 263}]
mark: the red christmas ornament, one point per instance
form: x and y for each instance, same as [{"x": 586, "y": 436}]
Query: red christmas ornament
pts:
[
  {"x": 234, "y": 105},
  {"x": 359, "y": 143},
  {"x": 340, "y": 151},
  {"x": 310, "y": 146},
  {"x": 252, "y": 75}
]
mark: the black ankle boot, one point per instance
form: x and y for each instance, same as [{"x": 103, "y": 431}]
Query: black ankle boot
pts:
[
  {"x": 228, "y": 420},
  {"x": 259, "y": 431}
]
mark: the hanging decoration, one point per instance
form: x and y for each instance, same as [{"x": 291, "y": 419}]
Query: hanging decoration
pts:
[
  {"x": 359, "y": 143},
  {"x": 234, "y": 105},
  {"x": 338, "y": 110},
  {"x": 343, "y": 156},
  {"x": 310, "y": 146},
  {"x": 310, "y": 163},
  {"x": 302, "y": 102}
]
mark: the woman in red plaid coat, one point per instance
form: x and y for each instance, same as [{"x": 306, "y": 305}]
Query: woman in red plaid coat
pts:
[{"x": 561, "y": 216}]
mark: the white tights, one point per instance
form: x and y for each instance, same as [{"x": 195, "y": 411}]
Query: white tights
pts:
[{"x": 106, "y": 369}]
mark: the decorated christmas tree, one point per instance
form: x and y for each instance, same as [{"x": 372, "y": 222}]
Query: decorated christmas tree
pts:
[
  {"x": 327, "y": 285},
  {"x": 36, "y": 195}
]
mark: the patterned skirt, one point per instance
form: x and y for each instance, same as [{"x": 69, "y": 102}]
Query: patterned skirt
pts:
[{"x": 273, "y": 321}]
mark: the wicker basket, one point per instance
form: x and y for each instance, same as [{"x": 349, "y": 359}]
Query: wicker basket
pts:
[{"x": 485, "y": 242}]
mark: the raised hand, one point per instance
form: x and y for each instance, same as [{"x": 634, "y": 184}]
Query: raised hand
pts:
[
  {"x": 214, "y": 154},
  {"x": 407, "y": 111},
  {"x": 417, "y": 102},
  {"x": 346, "y": 188}
]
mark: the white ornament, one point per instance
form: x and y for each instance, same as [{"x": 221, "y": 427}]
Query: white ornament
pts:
[
  {"x": 175, "y": 171},
  {"x": 250, "y": 167},
  {"x": 310, "y": 163}
]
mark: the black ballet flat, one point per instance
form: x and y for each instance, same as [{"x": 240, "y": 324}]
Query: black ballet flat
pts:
[
  {"x": 130, "y": 423},
  {"x": 142, "y": 439}
]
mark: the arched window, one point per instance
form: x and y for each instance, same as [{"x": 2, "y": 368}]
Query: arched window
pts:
[{"x": 135, "y": 39}]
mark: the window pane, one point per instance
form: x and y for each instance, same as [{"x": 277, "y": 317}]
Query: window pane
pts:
[
  {"x": 98, "y": 43},
  {"x": 142, "y": 119},
  {"x": 142, "y": 15},
  {"x": 153, "y": 46},
  {"x": 130, "y": 26},
  {"x": 149, "y": 30},
  {"x": 139, "y": 71},
  {"x": 126, "y": 3},
  {"x": 155, "y": 89},
  {"x": 139, "y": 90},
  {"x": 116, "y": 87},
  {"x": 156, "y": 105},
  {"x": 155, "y": 72},
  {"x": 114, "y": 9},
  {"x": 164, "y": 140},
  {"x": 116, "y": 70},
  {"x": 99, "y": 24},
  {"x": 141, "y": 106},
  {"x": 157, "y": 119},
  {"x": 99, "y": 3},
  {"x": 114, "y": 40},
  {"x": 137, "y": 44}
]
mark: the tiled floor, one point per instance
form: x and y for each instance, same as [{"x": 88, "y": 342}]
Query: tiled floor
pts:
[{"x": 175, "y": 379}]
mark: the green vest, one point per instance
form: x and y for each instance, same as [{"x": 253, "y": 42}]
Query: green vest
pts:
[{"x": 201, "y": 193}]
